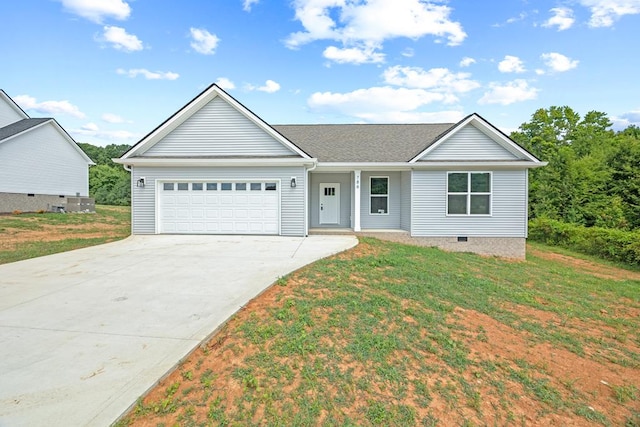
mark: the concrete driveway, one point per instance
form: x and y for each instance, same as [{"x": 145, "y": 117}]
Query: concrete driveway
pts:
[{"x": 84, "y": 333}]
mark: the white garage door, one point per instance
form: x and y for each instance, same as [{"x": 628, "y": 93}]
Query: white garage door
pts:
[{"x": 219, "y": 207}]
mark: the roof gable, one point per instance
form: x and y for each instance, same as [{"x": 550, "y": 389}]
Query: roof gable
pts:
[
  {"x": 10, "y": 112},
  {"x": 214, "y": 124},
  {"x": 473, "y": 139},
  {"x": 25, "y": 126}
]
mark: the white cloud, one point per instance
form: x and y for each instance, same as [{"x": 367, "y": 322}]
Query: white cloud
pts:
[
  {"x": 27, "y": 102},
  {"x": 149, "y": 75},
  {"x": 358, "y": 23},
  {"x": 247, "y": 4},
  {"x": 98, "y": 10},
  {"x": 408, "y": 53},
  {"x": 558, "y": 63},
  {"x": 270, "y": 87},
  {"x": 562, "y": 18},
  {"x": 436, "y": 79},
  {"x": 511, "y": 64},
  {"x": 112, "y": 118},
  {"x": 91, "y": 130},
  {"x": 509, "y": 93},
  {"x": 90, "y": 127},
  {"x": 374, "y": 102},
  {"x": 625, "y": 120},
  {"x": 605, "y": 12},
  {"x": 450, "y": 116},
  {"x": 467, "y": 61},
  {"x": 120, "y": 39},
  {"x": 353, "y": 55},
  {"x": 225, "y": 83},
  {"x": 203, "y": 41}
]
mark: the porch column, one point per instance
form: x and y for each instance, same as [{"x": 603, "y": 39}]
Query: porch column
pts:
[{"x": 356, "y": 201}]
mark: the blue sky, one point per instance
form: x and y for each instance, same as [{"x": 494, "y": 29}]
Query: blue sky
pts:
[{"x": 112, "y": 70}]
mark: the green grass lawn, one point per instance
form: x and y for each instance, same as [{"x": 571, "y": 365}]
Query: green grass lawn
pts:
[
  {"x": 390, "y": 334},
  {"x": 31, "y": 235}
]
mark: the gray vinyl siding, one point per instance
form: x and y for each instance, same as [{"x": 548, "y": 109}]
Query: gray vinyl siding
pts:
[
  {"x": 389, "y": 221},
  {"x": 344, "y": 179},
  {"x": 291, "y": 199},
  {"x": 509, "y": 207},
  {"x": 42, "y": 161},
  {"x": 469, "y": 143},
  {"x": 405, "y": 200},
  {"x": 218, "y": 129}
]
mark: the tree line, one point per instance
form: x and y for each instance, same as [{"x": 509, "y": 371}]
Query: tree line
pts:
[
  {"x": 109, "y": 182},
  {"x": 592, "y": 178},
  {"x": 593, "y": 173}
]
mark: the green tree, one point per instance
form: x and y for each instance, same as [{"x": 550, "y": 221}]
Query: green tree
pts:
[
  {"x": 574, "y": 186},
  {"x": 109, "y": 183}
]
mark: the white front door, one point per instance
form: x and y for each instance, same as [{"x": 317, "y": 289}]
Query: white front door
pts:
[{"x": 330, "y": 203}]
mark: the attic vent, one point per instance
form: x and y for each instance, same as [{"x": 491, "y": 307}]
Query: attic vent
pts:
[
  {"x": 462, "y": 238},
  {"x": 31, "y": 195}
]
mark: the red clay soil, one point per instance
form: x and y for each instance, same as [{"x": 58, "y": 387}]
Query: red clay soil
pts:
[{"x": 489, "y": 342}]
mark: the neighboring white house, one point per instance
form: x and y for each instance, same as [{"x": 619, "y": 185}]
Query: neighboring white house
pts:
[
  {"x": 40, "y": 164},
  {"x": 215, "y": 167}
]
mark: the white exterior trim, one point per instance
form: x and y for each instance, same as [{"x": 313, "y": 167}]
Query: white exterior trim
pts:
[
  {"x": 192, "y": 107},
  {"x": 439, "y": 165},
  {"x": 356, "y": 200},
  {"x": 61, "y": 131},
  {"x": 171, "y": 162},
  {"x": 489, "y": 130}
]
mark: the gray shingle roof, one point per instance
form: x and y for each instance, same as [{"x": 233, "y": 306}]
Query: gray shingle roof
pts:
[
  {"x": 363, "y": 142},
  {"x": 19, "y": 126}
]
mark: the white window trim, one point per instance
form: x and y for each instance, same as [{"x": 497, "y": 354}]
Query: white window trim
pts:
[
  {"x": 380, "y": 195},
  {"x": 468, "y": 193}
]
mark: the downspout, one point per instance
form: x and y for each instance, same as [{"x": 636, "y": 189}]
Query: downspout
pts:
[{"x": 306, "y": 198}]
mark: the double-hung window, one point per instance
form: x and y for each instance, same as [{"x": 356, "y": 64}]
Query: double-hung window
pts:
[
  {"x": 379, "y": 200},
  {"x": 469, "y": 193}
]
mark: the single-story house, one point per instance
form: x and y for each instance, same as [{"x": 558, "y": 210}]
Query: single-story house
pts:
[
  {"x": 215, "y": 167},
  {"x": 41, "y": 166}
]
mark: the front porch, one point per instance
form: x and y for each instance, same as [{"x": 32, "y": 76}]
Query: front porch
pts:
[{"x": 354, "y": 201}]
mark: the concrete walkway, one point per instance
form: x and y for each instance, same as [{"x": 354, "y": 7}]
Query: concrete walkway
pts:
[{"x": 84, "y": 333}]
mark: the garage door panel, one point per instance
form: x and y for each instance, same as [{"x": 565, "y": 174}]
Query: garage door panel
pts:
[{"x": 219, "y": 208}]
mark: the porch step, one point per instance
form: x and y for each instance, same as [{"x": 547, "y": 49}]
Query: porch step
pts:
[
  {"x": 331, "y": 231},
  {"x": 349, "y": 231}
]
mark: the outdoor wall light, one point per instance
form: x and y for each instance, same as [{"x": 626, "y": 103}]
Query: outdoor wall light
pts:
[
  {"x": 140, "y": 182},
  {"x": 293, "y": 182}
]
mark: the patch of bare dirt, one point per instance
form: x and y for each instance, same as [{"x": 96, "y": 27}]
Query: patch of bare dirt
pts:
[
  {"x": 596, "y": 269},
  {"x": 12, "y": 238},
  {"x": 566, "y": 371},
  {"x": 489, "y": 342}
]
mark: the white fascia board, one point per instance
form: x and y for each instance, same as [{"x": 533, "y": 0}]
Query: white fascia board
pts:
[
  {"x": 71, "y": 141},
  {"x": 488, "y": 130},
  {"x": 480, "y": 165},
  {"x": 195, "y": 105},
  {"x": 164, "y": 162},
  {"x": 13, "y": 104},
  {"x": 262, "y": 124},
  {"x": 364, "y": 166},
  {"x": 173, "y": 122},
  {"x": 61, "y": 131},
  {"x": 440, "y": 165}
]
